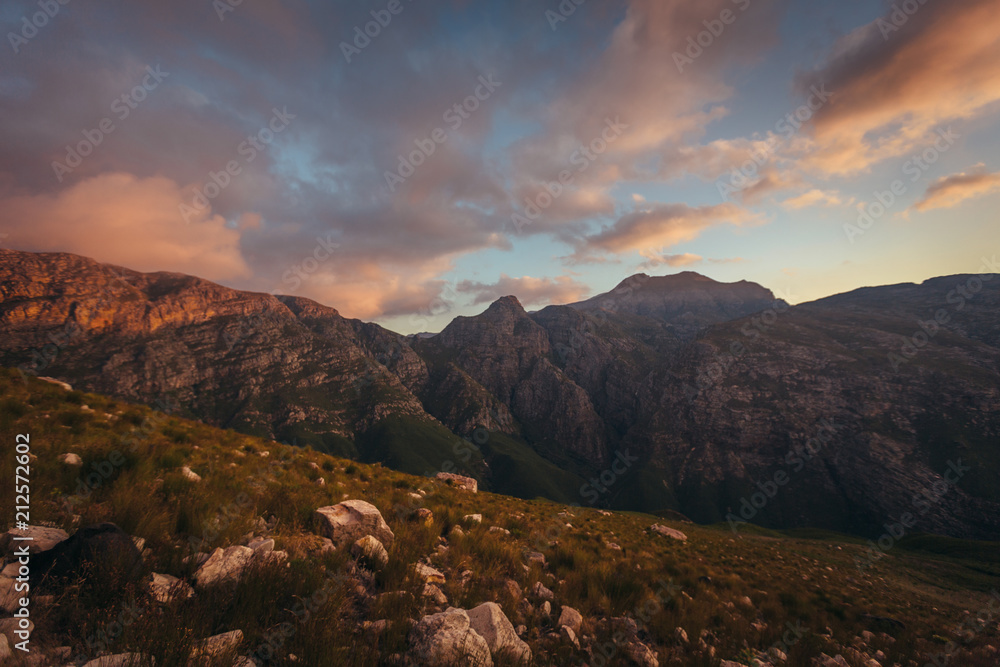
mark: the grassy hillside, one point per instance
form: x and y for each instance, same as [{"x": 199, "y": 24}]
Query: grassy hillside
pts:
[{"x": 733, "y": 595}]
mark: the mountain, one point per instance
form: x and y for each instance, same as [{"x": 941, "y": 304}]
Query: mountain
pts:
[
  {"x": 688, "y": 301},
  {"x": 671, "y": 395}
]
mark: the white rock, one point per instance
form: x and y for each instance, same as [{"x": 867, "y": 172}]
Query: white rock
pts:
[
  {"x": 71, "y": 459},
  {"x": 570, "y": 617},
  {"x": 190, "y": 475},
  {"x": 668, "y": 532},
  {"x": 428, "y": 574},
  {"x": 641, "y": 654},
  {"x": 351, "y": 520},
  {"x": 473, "y": 518},
  {"x": 261, "y": 545},
  {"x": 216, "y": 647},
  {"x": 435, "y": 594},
  {"x": 370, "y": 550},
  {"x": 539, "y": 590},
  {"x": 165, "y": 588},
  {"x": 568, "y": 635},
  {"x": 223, "y": 565},
  {"x": 54, "y": 381},
  {"x": 446, "y": 639},
  {"x": 493, "y": 625},
  {"x": 42, "y": 539}
]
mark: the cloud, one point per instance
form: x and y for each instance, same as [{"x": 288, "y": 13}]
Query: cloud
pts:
[
  {"x": 896, "y": 80},
  {"x": 120, "y": 219},
  {"x": 950, "y": 191},
  {"x": 651, "y": 229},
  {"x": 656, "y": 259},
  {"x": 528, "y": 290},
  {"x": 815, "y": 197}
]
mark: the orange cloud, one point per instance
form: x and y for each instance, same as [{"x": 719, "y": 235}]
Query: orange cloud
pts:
[
  {"x": 120, "y": 219},
  {"x": 952, "y": 190},
  {"x": 897, "y": 79},
  {"x": 664, "y": 225},
  {"x": 814, "y": 197}
]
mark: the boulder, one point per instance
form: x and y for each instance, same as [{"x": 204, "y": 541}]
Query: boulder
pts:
[
  {"x": 261, "y": 545},
  {"x": 190, "y": 475},
  {"x": 218, "y": 646},
  {"x": 71, "y": 459},
  {"x": 571, "y": 618},
  {"x": 371, "y": 552},
  {"x": 42, "y": 539},
  {"x": 462, "y": 482},
  {"x": 473, "y": 518},
  {"x": 489, "y": 621},
  {"x": 165, "y": 588},
  {"x": 96, "y": 550},
  {"x": 446, "y": 639},
  {"x": 668, "y": 532},
  {"x": 349, "y": 521},
  {"x": 224, "y": 565},
  {"x": 424, "y": 516},
  {"x": 5, "y": 652},
  {"x": 535, "y": 558}
]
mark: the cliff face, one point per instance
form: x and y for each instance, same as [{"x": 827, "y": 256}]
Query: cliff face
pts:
[{"x": 860, "y": 403}]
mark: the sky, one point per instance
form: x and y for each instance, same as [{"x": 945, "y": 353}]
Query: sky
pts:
[{"x": 406, "y": 162}]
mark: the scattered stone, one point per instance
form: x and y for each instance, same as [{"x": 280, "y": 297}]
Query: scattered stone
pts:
[
  {"x": 680, "y": 635},
  {"x": 668, "y": 532},
  {"x": 371, "y": 552},
  {"x": 375, "y": 627},
  {"x": 568, "y": 635},
  {"x": 165, "y": 588},
  {"x": 434, "y": 594},
  {"x": 493, "y": 625},
  {"x": 42, "y": 539},
  {"x": 473, "y": 518},
  {"x": 190, "y": 475},
  {"x": 498, "y": 529},
  {"x": 512, "y": 589},
  {"x": 351, "y": 520},
  {"x": 462, "y": 482},
  {"x": 641, "y": 654},
  {"x": 320, "y": 481},
  {"x": 428, "y": 574},
  {"x": 56, "y": 382},
  {"x": 216, "y": 647},
  {"x": 539, "y": 590},
  {"x": 223, "y": 565},
  {"x": 71, "y": 459},
  {"x": 424, "y": 516},
  {"x": 547, "y": 608},
  {"x": 570, "y": 617},
  {"x": 535, "y": 557},
  {"x": 447, "y": 638},
  {"x": 313, "y": 465}
]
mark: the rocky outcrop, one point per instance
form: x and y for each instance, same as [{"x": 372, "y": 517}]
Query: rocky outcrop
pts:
[{"x": 461, "y": 481}]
